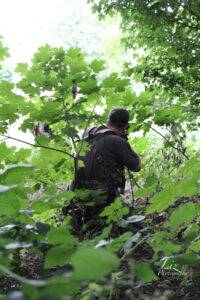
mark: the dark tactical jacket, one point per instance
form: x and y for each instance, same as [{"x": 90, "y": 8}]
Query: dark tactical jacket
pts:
[{"x": 105, "y": 161}]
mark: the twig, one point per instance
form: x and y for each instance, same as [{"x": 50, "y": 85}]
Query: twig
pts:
[
  {"x": 36, "y": 145},
  {"x": 68, "y": 124},
  {"x": 178, "y": 149},
  {"x": 132, "y": 249},
  {"x": 111, "y": 292},
  {"x": 136, "y": 183},
  {"x": 130, "y": 178},
  {"x": 3, "y": 139},
  {"x": 177, "y": 140},
  {"x": 88, "y": 121},
  {"x": 37, "y": 283},
  {"x": 37, "y": 141}
]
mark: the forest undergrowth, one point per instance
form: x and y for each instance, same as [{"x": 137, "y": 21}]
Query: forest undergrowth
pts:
[{"x": 146, "y": 244}]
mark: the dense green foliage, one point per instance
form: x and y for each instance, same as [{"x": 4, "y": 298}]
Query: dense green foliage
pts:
[
  {"x": 168, "y": 34},
  {"x": 154, "y": 230}
]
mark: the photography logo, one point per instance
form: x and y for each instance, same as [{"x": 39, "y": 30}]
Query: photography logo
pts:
[{"x": 170, "y": 268}]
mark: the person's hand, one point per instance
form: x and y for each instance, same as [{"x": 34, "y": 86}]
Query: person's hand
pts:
[
  {"x": 124, "y": 132},
  {"x": 124, "y": 135}
]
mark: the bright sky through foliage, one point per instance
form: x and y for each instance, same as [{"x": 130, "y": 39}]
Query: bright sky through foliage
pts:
[{"x": 26, "y": 25}]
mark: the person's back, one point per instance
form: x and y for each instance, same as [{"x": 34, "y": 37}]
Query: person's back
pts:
[
  {"x": 108, "y": 155},
  {"x": 103, "y": 172}
]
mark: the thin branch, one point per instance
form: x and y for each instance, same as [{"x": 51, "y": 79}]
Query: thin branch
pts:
[
  {"x": 133, "y": 179},
  {"x": 89, "y": 120},
  {"x": 37, "y": 141},
  {"x": 36, "y": 145},
  {"x": 177, "y": 140},
  {"x": 66, "y": 110},
  {"x": 91, "y": 114},
  {"x": 111, "y": 292},
  {"x": 134, "y": 247},
  {"x": 131, "y": 183},
  {"x": 178, "y": 149},
  {"x": 3, "y": 139},
  {"x": 72, "y": 139}
]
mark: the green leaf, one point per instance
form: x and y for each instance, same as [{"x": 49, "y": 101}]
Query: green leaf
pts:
[
  {"x": 97, "y": 65},
  {"x": 145, "y": 192},
  {"x": 15, "y": 174},
  {"x": 113, "y": 81},
  {"x": 60, "y": 235},
  {"x": 88, "y": 86},
  {"x": 5, "y": 151},
  {"x": 163, "y": 199},
  {"x": 113, "y": 99},
  {"x": 66, "y": 196},
  {"x": 191, "y": 232},
  {"x": 184, "y": 214},
  {"x": 168, "y": 247},
  {"x": 39, "y": 206},
  {"x": 58, "y": 256},
  {"x": 21, "y": 68},
  {"x": 195, "y": 246},
  {"x": 115, "y": 211},
  {"x": 118, "y": 243},
  {"x": 190, "y": 166},
  {"x": 3, "y": 51},
  {"x": 5, "y": 87},
  {"x": 144, "y": 272},
  {"x": 9, "y": 203},
  {"x": 75, "y": 53},
  {"x": 93, "y": 263},
  {"x": 25, "y": 218},
  {"x": 141, "y": 144},
  {"x": 159, "y": 242},
  {"x": 105, "y": 233},
  {"x": 146, "y": 98},
  {"x": 168, "y": 115},
  {"x": 182, "y": 260},
  {"x": 50, "y": 110},
  {"x": 60, "y": 286}
]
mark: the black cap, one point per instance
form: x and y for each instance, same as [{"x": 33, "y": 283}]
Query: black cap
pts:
[{"x": 118, "y": 117}]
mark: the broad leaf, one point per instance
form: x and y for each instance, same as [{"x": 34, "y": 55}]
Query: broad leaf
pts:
[
  {"x": 143, "y": 272},
  {"x": 15, "y": 174},
  {"x": 60, "y": 235},
  {"x": 93, "y": 264},
  {"x": 58, "y": 256},
  {"x": 184, "y": 214}
]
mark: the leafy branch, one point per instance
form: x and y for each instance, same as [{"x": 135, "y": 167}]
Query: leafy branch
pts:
[
  {"x": 178, "y": 149},
  {"x": 37, "y": 145},
  {"x": 191, "y": 10}
]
